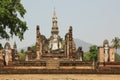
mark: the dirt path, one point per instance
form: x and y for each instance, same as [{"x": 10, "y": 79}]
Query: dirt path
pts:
[{"x": 59, "y": 77}]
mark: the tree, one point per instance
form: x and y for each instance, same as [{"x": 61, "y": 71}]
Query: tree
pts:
[
  {"x": 86, "y": 56},
  {"x": 22, "y": 55},
  {"x": 116, "y": 43},
  {"x": 11, "y": 13},
  {"x": 22, "y": 51},
  {"x": 117, "y": 57},
  {"x": 93, "y": 53}
]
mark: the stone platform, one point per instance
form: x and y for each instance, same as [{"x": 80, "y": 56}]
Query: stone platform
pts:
[
  {"x": 55, "y": 64},
  {"x": 53, "y": 55},
  {"x": 109, "y": 65},
  {"x": 38, "y": 70},
  {"x": 58, "y": 66}
]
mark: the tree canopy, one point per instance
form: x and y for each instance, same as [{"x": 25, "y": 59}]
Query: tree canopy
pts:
[
  {"x": 86, "y": 56},
  {"x": 93, "y": 52},
  {"x": 116, "y": 43},
  {"x": 22, "y": 55},
  {"x": 117, "y": 57},
  {"x": 11, "y": 13}
]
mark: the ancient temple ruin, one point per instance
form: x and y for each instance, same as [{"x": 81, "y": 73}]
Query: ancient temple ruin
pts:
[
  {"x": 55, "y": 41},
  {"x": 54, "y": 46},
  {"x": 8, "y": 55},
  {"x": 106, "y": 53},
  {"x": 106, "y": 56},
  {"x": 55, "y": 52},
  {"x": 57, "y": 55}
]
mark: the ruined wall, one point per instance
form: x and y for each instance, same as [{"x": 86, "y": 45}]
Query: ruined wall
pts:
[
  {"x": 38, "y": 43},
  {"x": 70, "y": 43},
  {"x": 67, "y": 45},
  {"x": 106, "y": 49},
  {"x": 1, "y": 58},
  {"x": 101, "y": 54},
  {"x": 112, "y": 54}
]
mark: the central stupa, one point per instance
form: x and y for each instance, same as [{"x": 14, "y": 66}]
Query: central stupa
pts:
[{"x": 55, "y": 42}]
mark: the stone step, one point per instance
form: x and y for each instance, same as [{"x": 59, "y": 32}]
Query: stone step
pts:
[{"x": 52, "y": 64}]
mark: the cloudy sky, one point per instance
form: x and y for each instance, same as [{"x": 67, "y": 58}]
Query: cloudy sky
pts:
[{"x": 92, "y": 20}]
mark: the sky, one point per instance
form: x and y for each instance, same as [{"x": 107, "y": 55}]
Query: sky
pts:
[{"x": 92, "y": 20}]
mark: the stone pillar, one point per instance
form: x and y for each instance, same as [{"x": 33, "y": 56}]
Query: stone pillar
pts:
[
  {"x": 67, "y": 45},
  {"x": 70, "y": 43},
  {"x": 14, "y": 51},
  {"x": 101, "y": 57},
  {"x": 101, "y": 54},
  {"x": 1, "y": 58},
  {"x": 112, "y": 54},
  {"x": 10, "y": 58},
  {"x": 37, "y": 43}
]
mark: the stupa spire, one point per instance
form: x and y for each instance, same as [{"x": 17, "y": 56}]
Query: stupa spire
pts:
[
  {"x": 54, "y": 23},
  {"x": 54, "y": 14}
]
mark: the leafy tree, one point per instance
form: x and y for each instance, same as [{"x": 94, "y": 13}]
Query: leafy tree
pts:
[
  {"x": 93, "y": 53},
  {"x": 86, "y": 56},
  {"x": 22, "y": 55},
  {"x": 22, "y": 51},
  {"x": 11, "y": 13},
  {"x": 117, "y": 57},
  {"x": 116, "y": 43}
]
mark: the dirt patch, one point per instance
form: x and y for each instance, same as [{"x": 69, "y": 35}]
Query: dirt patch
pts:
[{"x": 58, "y": 77}]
